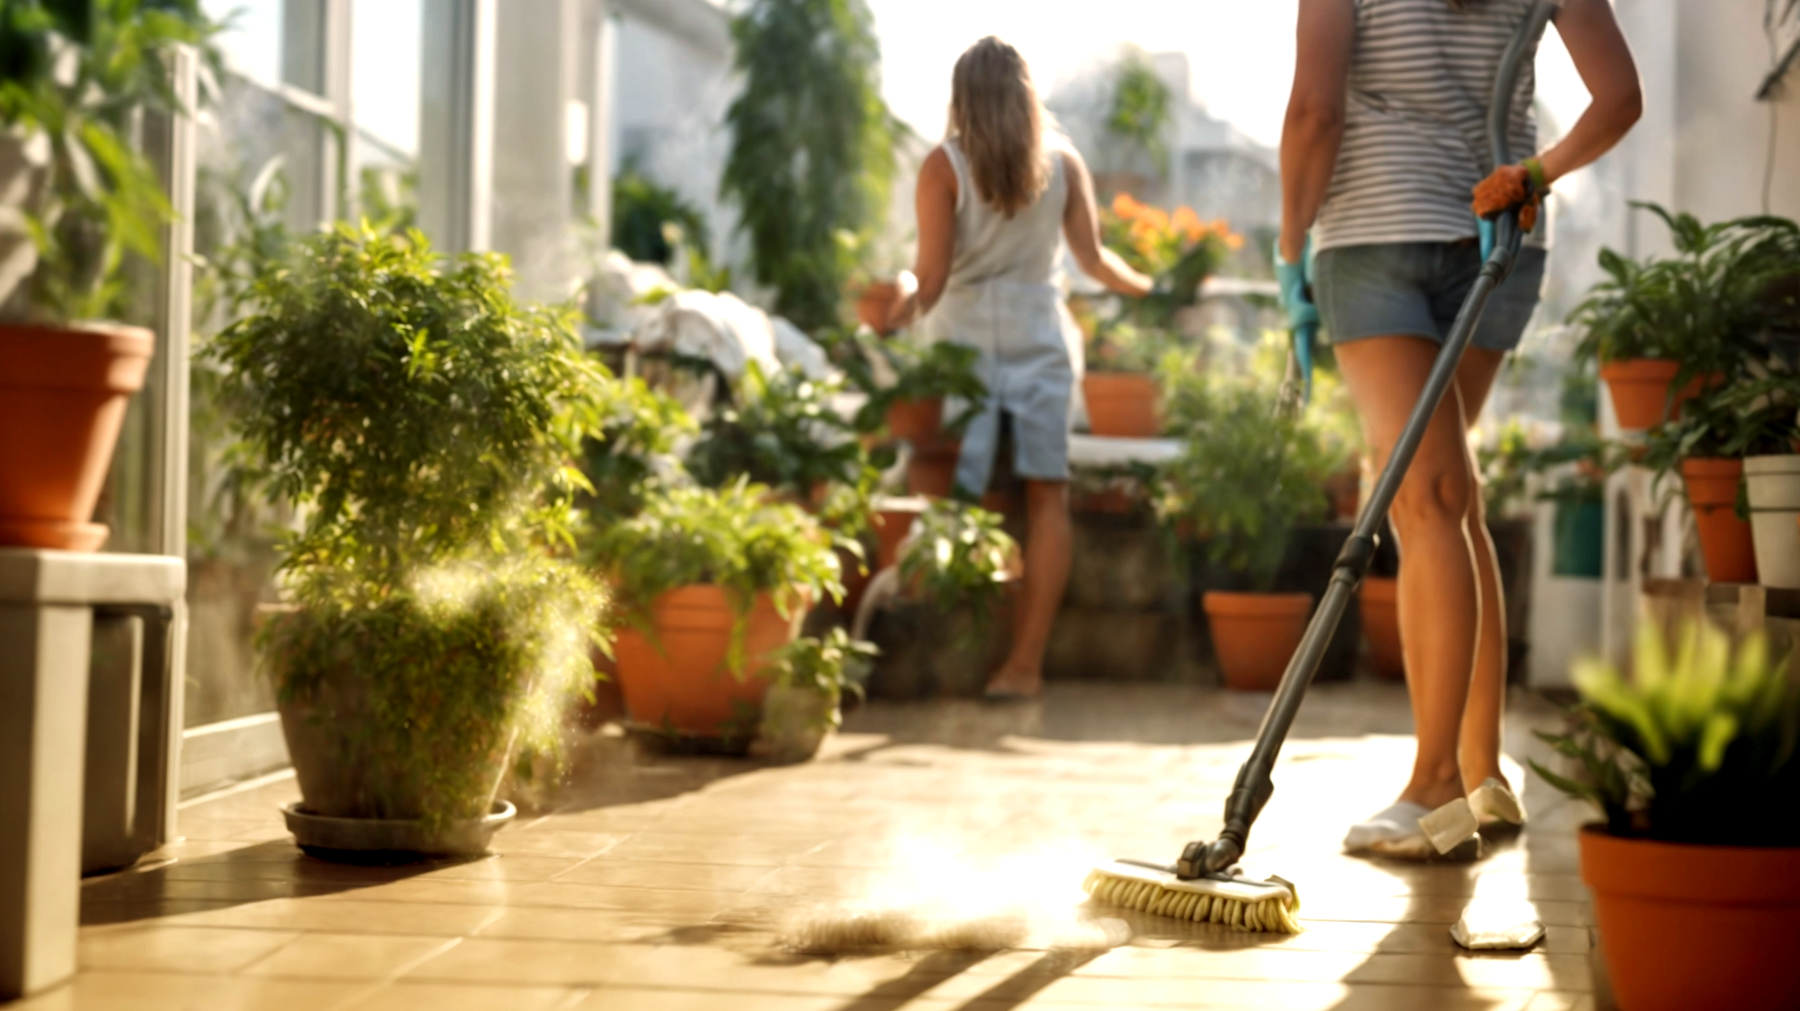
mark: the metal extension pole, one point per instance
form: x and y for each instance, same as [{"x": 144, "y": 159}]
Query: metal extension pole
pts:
[{"x": 1254, "y": 784}]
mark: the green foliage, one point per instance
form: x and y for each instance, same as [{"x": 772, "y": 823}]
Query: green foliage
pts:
[
  {"x": 77, "y": 73},
  {"x": 634, "y": 450},
  {"x": 1142, "y": 110},
  {"x": 1128, "y": 347},
  {"x": 1508, "y": 467},
  {"x": 1749, "y": 417},
  {"x": 419, "y": 412},
  {"x": 911, "y": 372},
  {"x": 782, "y": 432},
  {"x": 811, "y": 147},
  {"x": 958, "y": 558},
  {"x": 390, "y": 197},
  {"x": 828, "y": 665},
  {"x": 736, "y": 537},
  {"x": 1709, "y": 308},
  {"x": 452, "y": 668},
  {"x": 1697, "y": 746},
  {"x": 643, "y": 212},
  {"x": 1247, "y": 472}
]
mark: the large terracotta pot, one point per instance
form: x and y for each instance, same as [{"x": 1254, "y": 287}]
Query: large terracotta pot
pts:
[
  {"x": 1255, "y": 635},
  {"x": 919, "y": 422},
  {"x": 1640, "y": 391},
  {"x": 931, "y": 471},
  {"x": 63, "y": 395},
  {"x": 680, "y": 679},
  {"x": 1687, "y": 927},
  {"x": 1725, "y": 540},
  {"x": 876, "y": 304},
  {"x": 1379, "y": 601},
  {"x": 1121, "y": 405}
]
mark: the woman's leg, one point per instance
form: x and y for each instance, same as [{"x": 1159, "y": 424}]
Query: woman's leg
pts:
[
  {"x": 1440, "y": 597},
  {"x": 1048, "y": 541},
  {"x": 1479, "y": 750}
]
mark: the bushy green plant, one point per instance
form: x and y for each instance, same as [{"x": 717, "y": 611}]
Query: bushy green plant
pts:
[
  {"x": 781, "y": 431},
  {"x": 1142, "y": 109},
  {"x": 642, "y": 212},
  {"x": 958, "y": 558},
  {"x": 1128, "y": 347},
  {"x": 634, "y": 450},
  {"x": 1751, "y": 417},
  {"x": 1247, "y": 472},
  {"x": 423, "y": 421},
  {"x": 829, "y": 665},
  {"x": 1709, "y": 308},
  {"x": 74, "y": 75},
  {"x": 811, "y": 146},
  {"x": 938, "y": 370},
  {"x": 736, "y": 537},
  {"x": 1695, "y": 746}
]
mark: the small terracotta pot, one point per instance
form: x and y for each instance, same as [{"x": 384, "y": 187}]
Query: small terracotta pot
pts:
[
  {"x": 1255, "y": 635},
  {"x": 681, "y": 680},
  {"x": 1379, "y": 600},
  {"x": 1687, "y": 926},
  {"x": 919, "y": 422},
  {"x": 932, "y": 470},
  {"x": 1725, "y": 540},
  {"x": 63, "y": 395},
  {"x": 875, "y": 305},
  {"x": 1122, "y": 405},
  {"x": 1640, "y": 391}
]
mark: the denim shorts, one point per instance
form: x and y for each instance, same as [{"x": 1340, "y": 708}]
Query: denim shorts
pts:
[{"x": 1416, "y": 289}]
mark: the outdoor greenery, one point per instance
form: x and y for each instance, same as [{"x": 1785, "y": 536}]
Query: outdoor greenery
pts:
[
  {"x": 828, "y": 665},
  {"x": 1128, "y": 347},
  {"x": 912, "y": 372},
  {"x": 1142, "y": 110},
  {"x": 1711, "y": 307},
  {"x": 782, "y": 431},
  {"x": 1750, "y": 417},
  {"x": 737, "y": 537},
  {"x": 1248, "y": 471},
  {"x": 642, "y": 213},
  {"x": 634, "y": 452},
  {"x": 811, "y": 158},
  {"x": 1177, "y": 250},
  {"x": 1696, "y": 746},
  {"x": 958, "y": 558},
  {"x": 74, "y": 77},
  {"x": 421, "y": 420}
]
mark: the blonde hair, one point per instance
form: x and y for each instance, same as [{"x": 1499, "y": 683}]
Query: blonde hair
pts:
[{"x": 996, "y": 117}]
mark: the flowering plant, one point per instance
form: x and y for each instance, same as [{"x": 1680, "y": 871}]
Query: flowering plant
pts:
[{"x": 1177, "y": 249}]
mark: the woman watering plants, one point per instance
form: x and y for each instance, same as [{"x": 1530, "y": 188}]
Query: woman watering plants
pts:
[
  {"x": 993, "y": 201},
  {"x": 1385, "y": 140}
]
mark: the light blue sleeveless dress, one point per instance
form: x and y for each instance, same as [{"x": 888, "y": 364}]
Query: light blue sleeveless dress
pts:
[{"x": 1004, "y": 299}]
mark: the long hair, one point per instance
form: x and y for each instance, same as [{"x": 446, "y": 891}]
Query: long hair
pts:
[{"x": 996, "y": 117}]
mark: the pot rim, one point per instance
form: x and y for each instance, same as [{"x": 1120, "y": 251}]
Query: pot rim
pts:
[
  {"x": 1255, "y": 605},
  {"x": 1716, "y": 467},
  {"x": 1772, "y": 465},
  {"x": 1639, "y": 369},
  {"x": 1695, "y": 873}
]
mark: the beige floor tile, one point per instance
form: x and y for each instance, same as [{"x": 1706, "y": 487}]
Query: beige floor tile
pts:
[
  {"x": 142, "y": 991},
  {"x": 504, "y": 868},
  {"x": 404, "y": 996},
  {"x": 1552, "y": 1001},
  {"x": 155, "y": 947},
  {"x": 553, "y": 842},
  {"x": 434, "y": 919},
  {"x": 349, "y": 956},
  {"x": 642, "y": 999},
  {"x": 675, "y": 876},
  {"x": 726, "y": 846}
]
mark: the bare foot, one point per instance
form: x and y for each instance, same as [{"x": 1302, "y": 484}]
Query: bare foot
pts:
[{"x": 1015, "y": 682}]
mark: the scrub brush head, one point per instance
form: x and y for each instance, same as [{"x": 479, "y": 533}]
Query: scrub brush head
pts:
[{"x": 1267, "y": 906}]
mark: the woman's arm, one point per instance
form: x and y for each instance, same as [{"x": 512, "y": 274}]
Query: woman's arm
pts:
[
  {"x": 935, "y": 202},
  {"x": 1081, "y": 227},
  {"x": 1314, "y": 127}
]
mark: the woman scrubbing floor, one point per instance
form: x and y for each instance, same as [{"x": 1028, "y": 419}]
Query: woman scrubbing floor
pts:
[{"x": 1384, "y": 143}]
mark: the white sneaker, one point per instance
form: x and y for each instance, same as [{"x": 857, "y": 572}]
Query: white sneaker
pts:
[
  {"x": 1495, "y": 803},
  {"x": 1411, "y": 832}
]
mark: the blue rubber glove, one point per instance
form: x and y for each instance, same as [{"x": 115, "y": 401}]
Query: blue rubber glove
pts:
[{"x": 1296, "y": 290}]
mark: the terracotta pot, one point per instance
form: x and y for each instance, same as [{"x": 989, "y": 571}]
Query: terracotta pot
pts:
[
  {"x": 1122, "y": 405},
  {"x": 680, "y": 680},
  {"x": 1345, "y": 490},
  {"x": 1725, "y": 540},
  {"x": 876, "y": 304},
  {"x": 1640, "y": 391},
  {"x": 1687, "y": 926},
  {"x": 932, "y": 469},
  {"x": 891, "y": 528},
  {"x": 1379, "y": 601},
  {"x": 63, "y": 395},
  {"x": 919, "y": 422},
  {"x": 1255, "y": 635}
]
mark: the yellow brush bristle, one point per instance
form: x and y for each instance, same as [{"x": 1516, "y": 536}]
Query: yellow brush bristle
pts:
[{"x": 1278, "y": 915}]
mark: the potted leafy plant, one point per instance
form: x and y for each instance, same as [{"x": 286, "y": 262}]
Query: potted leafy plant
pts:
[
  {"x": 1119, "y": 384},
  {"x": 710, "y": 582},
  {"x": 1247, "y": 474},
  {"x": 420, "y": 419},
  {"x": 634, "y": 451},
  {"x": 811, "y": 676},
  {"x": 1695, "y": 870},
  {"x": 1179, "y": 250},
  {"x": 1665, "y": 329},
  {"x": 1768, "y": 413},
  {"x": 78, "y": 203},
  {"x": 1707, "y": 444},
  {"x": 945, "y": 630},
  {"x": 908, "y": 386}
]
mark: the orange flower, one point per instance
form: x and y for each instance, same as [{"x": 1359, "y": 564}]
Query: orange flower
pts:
[
  {"x": 1234, "y": 241},
  {"x": 1188, "y": 224},
  {"x": 1125, "y": 207}
]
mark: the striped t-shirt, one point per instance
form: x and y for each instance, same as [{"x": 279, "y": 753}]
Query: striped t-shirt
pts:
[{"x": 1415, "y": 128}]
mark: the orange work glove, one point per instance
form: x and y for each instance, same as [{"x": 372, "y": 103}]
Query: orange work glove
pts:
[{"x": 1508, "y": 187}]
